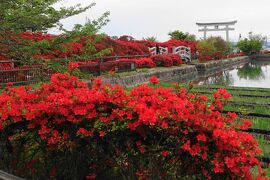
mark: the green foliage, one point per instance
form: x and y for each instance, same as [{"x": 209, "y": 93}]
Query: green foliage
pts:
[
  {"x": 206, "y": 48},
  {"x": 221, "y": 45},
  {"x": 250, "y": 71},
  {"x": 179, "y": 35},
  {"x": 250, "y": 46},
  {"x": 18, "y": 16},
  {"x": 35, "y": 15},
  {"x": 151, "y": 39},
  {"x": 214, "y": 47}
]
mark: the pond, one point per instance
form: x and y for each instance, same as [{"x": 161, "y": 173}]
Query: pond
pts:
[{"x": 256, "y": 73}]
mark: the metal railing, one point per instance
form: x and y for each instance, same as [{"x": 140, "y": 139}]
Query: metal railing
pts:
[{"x": 12, "y": 71}]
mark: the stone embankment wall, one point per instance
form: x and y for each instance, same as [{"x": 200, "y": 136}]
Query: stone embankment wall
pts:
[
  {"x": 164, "y": 74},
  {"x": 265, "y": 57},
  {"x": 220, "y": 64},
  {"x": 167, "y": 74}
]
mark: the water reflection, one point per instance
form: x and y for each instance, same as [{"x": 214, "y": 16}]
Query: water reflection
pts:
[
  {"x": 221, "y": 78},
  {"x": 252, "y": 71},
  {"x": 256, "y": 73}
]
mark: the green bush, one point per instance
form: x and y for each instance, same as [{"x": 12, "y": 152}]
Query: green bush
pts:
[
  {"x": 179, "y": 35},
  {"x": 213, "y": 48},
  {"x": 250, "y": 46}
]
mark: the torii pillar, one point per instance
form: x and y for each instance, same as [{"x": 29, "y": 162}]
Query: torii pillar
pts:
[{"x": 217, "y": 26}]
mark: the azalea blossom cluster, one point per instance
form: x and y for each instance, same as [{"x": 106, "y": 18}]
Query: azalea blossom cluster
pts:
[
  {"x": 162, "y": 60},
  {"x": 120, "y": 47},
  {"x": 64, "y": 129}
]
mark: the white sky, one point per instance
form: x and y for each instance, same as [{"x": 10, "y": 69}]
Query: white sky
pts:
[{"x": 144, "y": 18}]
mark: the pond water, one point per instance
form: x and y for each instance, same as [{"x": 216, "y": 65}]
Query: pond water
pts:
[{"x": 256, "y": 73}]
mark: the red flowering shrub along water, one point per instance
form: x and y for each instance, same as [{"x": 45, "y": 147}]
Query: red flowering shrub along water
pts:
[
  {"x": 167, "y": 60},
  {"x": 236, "y": 55},
  {"x": 65, "y": 130},
  {"x": 120, "y": 47},
  {"x": 176, "y": 59},
  {"x": 145, "y": 63},
  {"x": 164, "y": 60}
]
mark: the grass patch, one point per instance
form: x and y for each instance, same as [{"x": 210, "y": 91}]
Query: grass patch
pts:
[{"x": 260, "y": 123}]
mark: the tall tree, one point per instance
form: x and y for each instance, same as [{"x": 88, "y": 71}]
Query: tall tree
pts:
[
  {"x": 179, "y": 35},
  {"x": 35, "y": 15},
  {"x": 38, "y": 16},
  {"x": 251, "y": 45}
]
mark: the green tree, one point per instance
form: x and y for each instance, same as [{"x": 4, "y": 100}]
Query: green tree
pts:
[
  {"x": 18, "y": 16},
  {"x": 179, "y": 35},
  {"x": 250, "y": 45},
  {"x": 222, "y": 47},
  {"x": 151, "y": 39},
  {"x": 214, "y": 47},
  {"x": 35, "y": 15},
  {"x": 206, "y": 48}
]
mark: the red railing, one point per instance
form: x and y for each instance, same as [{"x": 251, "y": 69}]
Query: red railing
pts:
[{"x": 12, "y": 71}]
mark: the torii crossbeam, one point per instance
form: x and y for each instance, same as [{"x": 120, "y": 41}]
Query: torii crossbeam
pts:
[{"x": 217, "y": 26}]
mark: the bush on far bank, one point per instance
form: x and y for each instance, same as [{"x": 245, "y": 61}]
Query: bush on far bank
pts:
[
  {"x": 213, "y": 48},
  {"x": 250, "y": 46}
]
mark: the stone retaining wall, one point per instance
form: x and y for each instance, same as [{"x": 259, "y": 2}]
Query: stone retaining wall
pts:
[
  {"x": 188, "y": 72},
  {"x": 265, "y": 57},
  {"x": 220, "y": 64},
  {"x": 164, "y": 74}
]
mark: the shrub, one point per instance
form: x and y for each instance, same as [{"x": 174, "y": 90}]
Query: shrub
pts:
[
  {"x": 213, "y": 48},
  {"x": 222, "y": 47},
  {"x": 250, "y": 46},
  {"x": 179, "y": 35},
  {"x": 65, "y": 130},
  {"x": 206, "y": 50},
  {"x": 145, "y": 63},
  {"x": 162, "y": 60},
  {"x": 151, "y": 39},
  {"x": 176, "y": 59}
]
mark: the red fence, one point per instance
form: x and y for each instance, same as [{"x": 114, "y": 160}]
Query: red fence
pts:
[{"x": 12, "y": 71}]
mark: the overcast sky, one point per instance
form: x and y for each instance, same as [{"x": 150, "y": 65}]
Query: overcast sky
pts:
[{"x": 144, "y": 18}]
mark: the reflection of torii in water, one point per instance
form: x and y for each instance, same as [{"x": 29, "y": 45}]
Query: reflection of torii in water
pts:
[{"x": 216, "y": 26}]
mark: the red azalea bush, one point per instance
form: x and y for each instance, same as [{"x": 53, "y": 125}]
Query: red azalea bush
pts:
[
  {"x": 162, "y": 60},
  {"x": 5, "y": 65},
  {"x": 120, "y": 47},
  {"x": 145, "y": 63},
  {"x": 154, "y": 80},
  {"x": 236, "y": 55},
  {"x": 124, "y": 46},
  {"x": 65, "y": 130},
  {"x": 176, "y": 59}
]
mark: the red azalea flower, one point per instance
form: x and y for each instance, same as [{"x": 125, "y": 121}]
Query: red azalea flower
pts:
[
  {"x": 102, "y": 133},
  {"x": 154, "y": 80},
  {"x": 91, "y": 176},
  {"x": 73, "y": 65},
  {"x": 165, "y": 153},
  {"x": 9, "y": 84},
  {"x": 201, "y": 137}
]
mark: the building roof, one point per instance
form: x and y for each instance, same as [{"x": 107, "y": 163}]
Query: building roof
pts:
[{"x": 217, "y": 23}]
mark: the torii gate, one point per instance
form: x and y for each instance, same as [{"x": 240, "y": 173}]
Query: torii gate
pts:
[{"x": 216, "y": 25}]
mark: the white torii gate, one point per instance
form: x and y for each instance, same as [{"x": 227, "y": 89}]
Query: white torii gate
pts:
[{"x": 218, "y": 26}]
